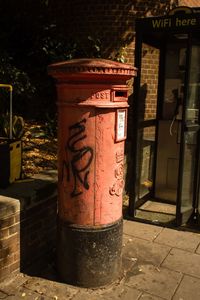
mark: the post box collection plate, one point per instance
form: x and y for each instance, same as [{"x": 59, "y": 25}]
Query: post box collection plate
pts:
[{"x": 121, "y": 124}]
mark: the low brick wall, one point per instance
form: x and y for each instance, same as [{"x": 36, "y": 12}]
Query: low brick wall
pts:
[
  {"x": 38, "y": 233},
  {"x": 9, "y": 236},
  {"x": 28, "y": 212}
]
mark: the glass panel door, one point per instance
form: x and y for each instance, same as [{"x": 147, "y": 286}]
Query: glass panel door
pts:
[
  {"x": 170, "y": 120},
  {"x": 188, "y": 164},
  {"x": 145, "y": 118}
]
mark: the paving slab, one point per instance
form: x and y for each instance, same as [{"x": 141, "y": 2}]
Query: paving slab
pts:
[
  {"x": 86, "y": 295},
  {"x": 126, "y": 239},
  {"x": 52, "y": 289},
  {"x": 189, "y": 289},
  {"x": 141, "y": 230},
  {"x": 149, "y": 297},
  {"x": 144, "y": 252},
  {"x": 179, "y": 239},
  {"x": 122, "y": 293},
  {"x": 13, "y": 283},
  {"x": 154, "y": 268},
  {"x": 156, "y": 281},
  {"x": 23, "y": 293},
  {"x": 198, "y": 250},
  {"x": 183, "y": 261},
  {"x": 115, "y": 293},
  {"x": 3, "y": 295}
]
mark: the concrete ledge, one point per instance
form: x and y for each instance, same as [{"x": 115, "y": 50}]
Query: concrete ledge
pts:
[
  {"x": 31, "y": 191},
  {"x": 8, "y": 206}
]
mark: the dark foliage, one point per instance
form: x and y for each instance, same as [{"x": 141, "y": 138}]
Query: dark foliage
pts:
[{"x": 34, "y": 34}]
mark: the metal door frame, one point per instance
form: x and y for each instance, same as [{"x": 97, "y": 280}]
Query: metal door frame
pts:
[{"x": 145, "y": 34}]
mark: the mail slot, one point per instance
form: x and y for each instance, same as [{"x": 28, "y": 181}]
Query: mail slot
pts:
[{"x": 119, "y": 95}]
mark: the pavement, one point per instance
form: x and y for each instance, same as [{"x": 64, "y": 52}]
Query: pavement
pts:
[{"x": 158, "y": 263}]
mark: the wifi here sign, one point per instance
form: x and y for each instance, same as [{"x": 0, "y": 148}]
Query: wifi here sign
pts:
[{"x": 176, "y": 23}]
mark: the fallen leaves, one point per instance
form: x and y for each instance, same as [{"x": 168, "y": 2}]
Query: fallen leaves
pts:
[{"x": 39, "y": 150}]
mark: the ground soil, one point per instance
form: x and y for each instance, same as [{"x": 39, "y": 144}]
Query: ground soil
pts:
[{"x": 39, "y": 149}]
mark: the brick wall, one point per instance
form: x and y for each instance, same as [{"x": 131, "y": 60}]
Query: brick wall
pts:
[
  {"x": 9, "y": 236},
  {"x": 27, "y": 225},
  {"x": 113, "y": 24},
  {"x": 110, "y": 21},
  {"x": 149, "y": 80},
  {"x": 38, "y": 233}
]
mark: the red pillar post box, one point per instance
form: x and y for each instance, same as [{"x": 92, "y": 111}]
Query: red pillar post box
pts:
[{"x": 92, "y": 124}]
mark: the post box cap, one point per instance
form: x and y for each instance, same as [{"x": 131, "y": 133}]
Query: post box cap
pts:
[{"x": 100, "y": 69}]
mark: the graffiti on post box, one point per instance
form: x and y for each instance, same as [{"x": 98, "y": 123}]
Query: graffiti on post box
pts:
[{"x": 81, "y": 160}]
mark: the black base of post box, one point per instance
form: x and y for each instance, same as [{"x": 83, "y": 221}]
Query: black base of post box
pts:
[{"x": 89, "y": 257}]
